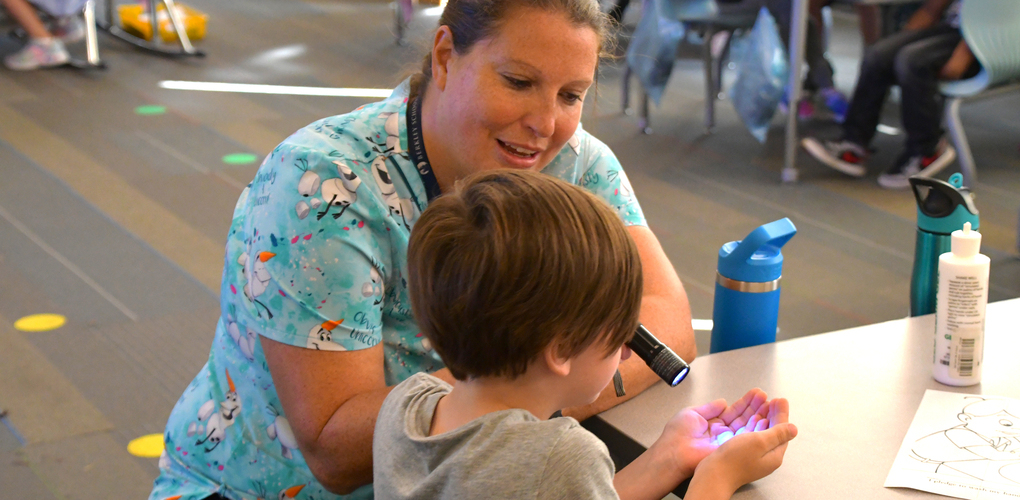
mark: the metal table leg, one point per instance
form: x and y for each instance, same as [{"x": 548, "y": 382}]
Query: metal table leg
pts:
[
  {"x": 710, "y": 84},
  {"x": 625, "y": 100},
  {"x": 798, "y": 34},
  {"x": 643, "y": 122}
]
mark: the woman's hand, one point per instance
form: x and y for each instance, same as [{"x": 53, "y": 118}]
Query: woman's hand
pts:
[{"x": 664, "y": 310}]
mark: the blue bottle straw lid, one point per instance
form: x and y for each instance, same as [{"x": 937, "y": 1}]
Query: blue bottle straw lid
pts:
[{"x": 758, "y": 258}]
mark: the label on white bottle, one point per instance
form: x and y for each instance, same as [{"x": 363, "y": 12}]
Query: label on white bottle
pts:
[
  {"x": 965, "y": 352},
  {"x": 964, "y": 326}
]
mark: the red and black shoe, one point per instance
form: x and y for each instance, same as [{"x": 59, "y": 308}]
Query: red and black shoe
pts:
[
  {"x": 844, "y": 156},
  {"x": 897, "y": 177}
]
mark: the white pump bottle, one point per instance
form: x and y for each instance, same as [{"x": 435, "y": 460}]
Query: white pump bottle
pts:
[{"x": 960, "y": 310}]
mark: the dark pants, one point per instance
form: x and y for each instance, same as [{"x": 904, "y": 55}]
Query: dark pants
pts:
[{"x": 912, "y": 60}]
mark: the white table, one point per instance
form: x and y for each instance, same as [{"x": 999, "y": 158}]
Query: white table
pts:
[{"x": 853, "y": 394}]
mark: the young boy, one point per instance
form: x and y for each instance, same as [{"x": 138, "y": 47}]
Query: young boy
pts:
[{"x": 528, "y": 287}]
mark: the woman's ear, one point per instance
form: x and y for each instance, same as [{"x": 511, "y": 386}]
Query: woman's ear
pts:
[
  {"x": 555, "y": 362},
  {"x": 442, "y": 55}
]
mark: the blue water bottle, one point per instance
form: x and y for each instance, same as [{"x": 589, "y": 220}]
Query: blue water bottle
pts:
[
  {"x": 942, "y": 207},
  {"x": 746, "y": 308}
]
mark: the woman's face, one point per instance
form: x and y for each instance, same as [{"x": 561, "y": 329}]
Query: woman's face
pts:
[{"x": 514, "y": 99}]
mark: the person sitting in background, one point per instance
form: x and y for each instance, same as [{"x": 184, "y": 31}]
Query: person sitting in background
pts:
[
  {"x": 928, "y": 49},
  {"x": 528, "y": 287},
  {"x": 44, "y": 48}
]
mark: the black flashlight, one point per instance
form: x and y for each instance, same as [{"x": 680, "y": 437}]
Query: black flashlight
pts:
[{"x": 659, "y": 357}]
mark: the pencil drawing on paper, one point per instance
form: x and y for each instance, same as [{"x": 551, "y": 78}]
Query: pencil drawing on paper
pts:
[{"x": 985, "y": 444}]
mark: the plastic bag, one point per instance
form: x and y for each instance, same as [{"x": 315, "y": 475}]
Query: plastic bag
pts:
[
  {"x": 60, "y": 8},
  {"x": 653, "y": 48},
  {"x": 761, "y": 76}
]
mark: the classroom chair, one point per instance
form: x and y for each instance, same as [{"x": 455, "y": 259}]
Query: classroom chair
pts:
[{"x": 992, "y": 31}]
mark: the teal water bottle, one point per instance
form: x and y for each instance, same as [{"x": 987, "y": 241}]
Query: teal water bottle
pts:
[
  {"x": 746, "y": 307},
  {"x": 942, "y": 207}
]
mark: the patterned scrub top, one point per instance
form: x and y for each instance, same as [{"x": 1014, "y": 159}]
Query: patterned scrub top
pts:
[{"x": 316, "y": 258}]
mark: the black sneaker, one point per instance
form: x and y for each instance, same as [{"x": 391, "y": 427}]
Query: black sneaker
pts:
[
  {"x": 925, "y": 166},
  {"x": 844, "y": 156}
]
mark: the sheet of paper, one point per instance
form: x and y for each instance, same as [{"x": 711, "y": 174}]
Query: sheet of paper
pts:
[{"x": 963, "y": 446}]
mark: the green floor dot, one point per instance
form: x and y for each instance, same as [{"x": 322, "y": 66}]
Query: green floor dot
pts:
[
  {"x": 240, "y": 159},
  {"x": 150, "y": 109}
]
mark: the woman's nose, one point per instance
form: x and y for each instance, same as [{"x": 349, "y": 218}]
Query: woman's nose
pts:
[
  {"x": 625, "y": 353},
  {"x": 542, "y": 117}
]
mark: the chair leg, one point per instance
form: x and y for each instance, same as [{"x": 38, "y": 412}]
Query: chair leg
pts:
[
  {"x": 643, "y": 121},
  {"x": 91, "y": 41},
  {"x": 717, "y": 67},
  {"x": 966, "y": 159},
  {"x": 625, "y": 98},
  {"x": 182, "y": 34},
  {"x": 710, "y": 85}
]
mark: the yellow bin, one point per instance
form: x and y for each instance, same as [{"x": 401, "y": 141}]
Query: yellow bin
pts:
[{"x": 134, "y": 19}]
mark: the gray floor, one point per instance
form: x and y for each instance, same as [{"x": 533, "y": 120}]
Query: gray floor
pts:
[{"x": 117, "y": 221}]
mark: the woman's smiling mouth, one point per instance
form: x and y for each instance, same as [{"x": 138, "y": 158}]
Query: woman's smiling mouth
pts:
[{"x": 517, "y": 151}]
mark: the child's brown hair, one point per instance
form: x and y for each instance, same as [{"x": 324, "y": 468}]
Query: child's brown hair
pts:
[{"x": 514, "y": 261}]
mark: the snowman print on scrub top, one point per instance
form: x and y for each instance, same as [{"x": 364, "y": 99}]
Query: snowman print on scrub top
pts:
[
  {"x": 212, "y": 422},
  {"x": 320, "y": 337},
  {"x": 339, "y": 191},
  {"x": 254, "y": 270}
]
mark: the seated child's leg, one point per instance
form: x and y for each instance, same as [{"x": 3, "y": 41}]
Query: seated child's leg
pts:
[
  {"x": 877, "y": 75},
  {"x": 917, "y": 71}
]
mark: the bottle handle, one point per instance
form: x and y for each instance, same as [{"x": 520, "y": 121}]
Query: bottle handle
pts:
[{"x": 775, "y": 233}]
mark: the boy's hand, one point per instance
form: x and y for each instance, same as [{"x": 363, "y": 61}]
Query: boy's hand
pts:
[
  {"x": 750, "y": 456},
  {"x": 694, "y": 433}
]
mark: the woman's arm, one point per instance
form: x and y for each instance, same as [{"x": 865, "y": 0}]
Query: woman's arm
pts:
[
  {"x": 664, "y": 307},
  {"x": 664, "y": 311},
  {"x": 331, "y": 399}
]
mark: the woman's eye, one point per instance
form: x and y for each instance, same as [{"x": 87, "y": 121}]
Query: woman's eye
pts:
[
  {"x": 1005, "y": 423},
  {"x": 572, "y": 98},
  {"x": 516, "y": 83}
]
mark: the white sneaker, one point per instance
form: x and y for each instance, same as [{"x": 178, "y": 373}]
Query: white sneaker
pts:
[
  {"x": 897, "y": 177},
  {"x": 38, "y": 53}
]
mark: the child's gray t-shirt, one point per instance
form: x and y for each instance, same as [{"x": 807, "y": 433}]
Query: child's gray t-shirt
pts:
[{"x": 508, "y": 454}]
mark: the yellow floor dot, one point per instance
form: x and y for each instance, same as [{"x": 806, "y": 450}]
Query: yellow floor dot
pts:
[
  {"x": 146, "y": 446},
  {"x": 40, "y": 322}
]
